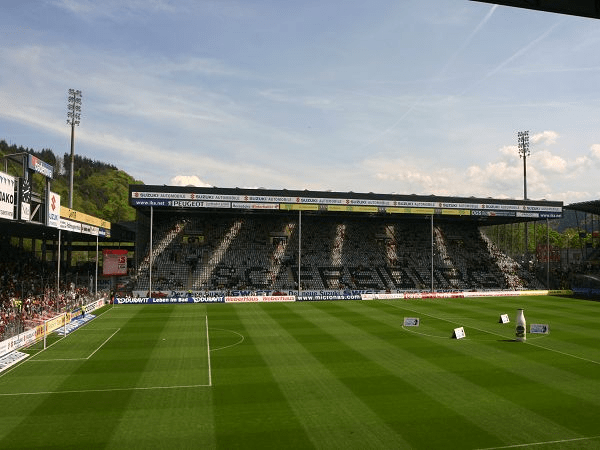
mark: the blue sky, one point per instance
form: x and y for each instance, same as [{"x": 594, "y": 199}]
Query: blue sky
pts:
[{"x": 409, "y": 96}]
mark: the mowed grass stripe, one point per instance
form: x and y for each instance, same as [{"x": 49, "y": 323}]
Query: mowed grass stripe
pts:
[
  {"x": 493, "y": 413},
  {"x": 411, "y": 412},
  {"x": 528, "y": 376},
  {"x": 538, "y": 309},
  {"x": 171, "y": 418},
  {"x": 86, "y": 419},
  {"x": 577, "y": 338},
  {"x": 536, "y": 365},
  {"x": 331, "y": 414},
  {"x": 250, "y": 410}
]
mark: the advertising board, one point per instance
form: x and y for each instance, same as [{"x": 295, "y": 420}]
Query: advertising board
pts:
[{"x": 7, "y": 196}]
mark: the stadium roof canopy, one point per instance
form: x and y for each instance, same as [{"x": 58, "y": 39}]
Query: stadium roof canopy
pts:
[
  {"x": 582, "y": 8},
  {"x": 590, "y": 207},
  {"x": 486, "y": 211},
  {"x": 32, "y": 230}
]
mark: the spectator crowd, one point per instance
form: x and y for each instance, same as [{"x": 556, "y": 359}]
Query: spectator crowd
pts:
[{"x": 29, "y": 294}]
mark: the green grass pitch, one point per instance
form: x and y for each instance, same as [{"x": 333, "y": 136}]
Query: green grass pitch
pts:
[{"x": 331, "y": 375}]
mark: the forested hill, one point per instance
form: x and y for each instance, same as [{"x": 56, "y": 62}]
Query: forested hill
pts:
[{"x": 99, "y": 189}]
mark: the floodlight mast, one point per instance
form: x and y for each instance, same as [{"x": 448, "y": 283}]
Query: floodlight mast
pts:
[
  {"x": 523, "y": 143},
  {"x": 73, "y": 118},
  {"x": 523, "y": 140}
]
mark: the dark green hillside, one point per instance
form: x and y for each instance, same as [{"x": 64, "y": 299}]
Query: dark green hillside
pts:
[{"x": 99, "y": 189}]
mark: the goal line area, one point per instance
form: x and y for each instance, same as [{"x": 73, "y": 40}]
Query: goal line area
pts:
[{"x": 120, "y": 350}]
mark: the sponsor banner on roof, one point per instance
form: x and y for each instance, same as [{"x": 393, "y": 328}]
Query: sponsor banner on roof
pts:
[
  {"x": 324, "y": 203},
  {"x": 77, "y": 216},
  {"x": 410, "y": 210},
  {"x": 197, "y": 204},
  {"x": 299, "y": 207},
  {"x": 556, "y": 209},
  {"x": 533, "y": 215},
  {"x": 39, "y": 166},
  {"x": 456, "y": 212},
  {"x": 53, "y": 210},
  {"x": 69, "y": 225},
  {"x": 493, "y": 213},
  {"x": 239, "y": 205},
  {"x": 349, "y": 208},
  {"x": 89, "y": 229},
  {"x": 149, "y": 202},
  {"x": 7, "y": 196},
  {"x": 186, "y": 196}
]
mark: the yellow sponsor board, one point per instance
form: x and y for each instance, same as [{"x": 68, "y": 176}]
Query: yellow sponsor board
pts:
[
  {"x": 393, "y": 210},
  {"x": 298, "y": 207},
  {"x": 71, "y": 214},
  {"x": 456, "y": 212},
  {"x": 55, "y": 323},
  {"x": 560, "y": 292},
  {"x": 534, "y": 292},
  {"x": 348, "y": 208}
]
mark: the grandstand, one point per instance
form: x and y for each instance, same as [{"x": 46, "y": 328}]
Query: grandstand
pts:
[
  {"x": 38, "y": 237},
  {"x": 248, "y": 240}
]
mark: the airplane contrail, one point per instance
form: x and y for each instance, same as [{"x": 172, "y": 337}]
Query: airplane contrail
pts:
[{"x": 428, "y": 90}]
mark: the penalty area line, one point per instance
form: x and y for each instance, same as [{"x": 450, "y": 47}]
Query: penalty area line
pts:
[
  {"x": 33, "y": 359},
  {"x": 559, "y": 441},
  {"x": 101, "y": 345},
  {"x": 84, "y": 391}
]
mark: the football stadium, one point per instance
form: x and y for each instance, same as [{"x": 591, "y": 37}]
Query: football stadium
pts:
[
  {"x": 253, "y": 318},
  {"x": 227, "y": 317}
]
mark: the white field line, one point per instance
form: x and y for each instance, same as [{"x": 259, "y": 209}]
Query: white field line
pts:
[
  {"x": 208, "y": 352},
  {"x": 232, "y": 345},
  {"x": 423, "y": 334},
  {"x": 29, "y": 359},
  {"x": 191, "y": 386},
  {"x": 101, "y": 345},
  {"x": 83, "y": 391},
  {"x": 561, "y": 441},
  {"x": 496, "y": 334},
  {"x": 77, "y": 359}
]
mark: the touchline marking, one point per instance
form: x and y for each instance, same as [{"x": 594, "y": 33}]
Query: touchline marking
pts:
[
  {"x": 542, "y": 443},
  {"x": 83, "y": 391},
  {"x": 495, "y": 334},
  {"x": 208, "y": 352},
  {"x": 564, "y": 353}
]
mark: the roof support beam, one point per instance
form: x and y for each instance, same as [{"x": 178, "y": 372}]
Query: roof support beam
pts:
[{"x": 581, "y": 8}]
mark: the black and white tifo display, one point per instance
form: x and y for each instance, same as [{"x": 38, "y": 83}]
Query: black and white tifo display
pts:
[{"x": 232, "y": 244}]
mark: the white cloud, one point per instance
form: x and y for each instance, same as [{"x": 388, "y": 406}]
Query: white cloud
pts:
[
  {"x": 595, "y": 152},
  {"x": 569, "y": 196},
  {"x": 545, "y": 137},
  {"x": 510, "y": 151},
  {"x": 188, "y": 180},
  {"x": 113, "y": 9},
  {"x": 494, "y": 180},
  {"x": 550, "y": 162}
]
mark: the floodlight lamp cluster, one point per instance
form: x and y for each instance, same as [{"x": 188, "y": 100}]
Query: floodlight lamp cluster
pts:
[
  {"x": 523, "y": 141},
  {"x": 74, "y": 107}
]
